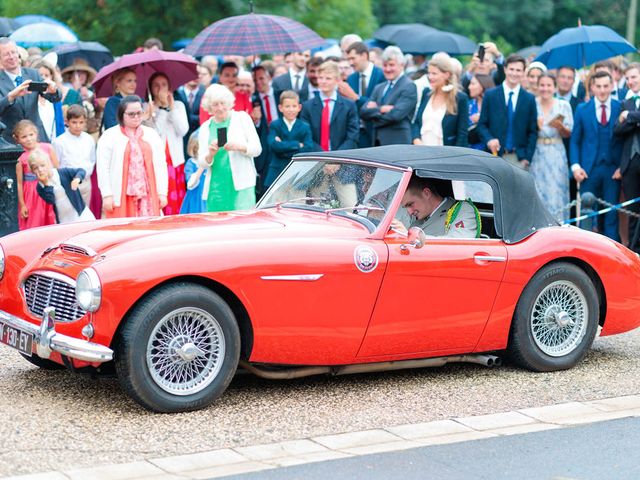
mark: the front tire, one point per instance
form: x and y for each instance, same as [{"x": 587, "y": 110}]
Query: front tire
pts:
[
  {"x": 179, "y": 349},
  {"x": 555, "y": 320}
]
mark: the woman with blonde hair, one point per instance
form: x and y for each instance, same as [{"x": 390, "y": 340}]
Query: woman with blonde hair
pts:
[
  {"x": 227, "y": 144},
  {"x": 124, "y": 83},
  {"x": 442, "y": 117}
]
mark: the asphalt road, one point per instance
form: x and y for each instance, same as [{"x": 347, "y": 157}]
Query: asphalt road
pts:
[
  {"x": 58, "y": 420},
  {"x": 599, "y": 451}
]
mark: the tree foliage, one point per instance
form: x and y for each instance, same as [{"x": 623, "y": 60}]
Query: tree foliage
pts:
[{"x": 123, "y": 25}]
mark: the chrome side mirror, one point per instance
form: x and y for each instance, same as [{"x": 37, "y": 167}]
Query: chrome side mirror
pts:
[{"x": 416, "y": 238}]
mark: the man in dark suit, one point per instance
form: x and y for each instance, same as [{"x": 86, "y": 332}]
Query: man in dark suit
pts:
[
  {"x": 392, "y": 103},
  {"x": 360, "y": 85},
  {"x": 190, "y": 94},
  {"x": 627, "y": 129},
  {"x": 295, "y": 79},
  {"x": 334, "y": 126},
  {"x": 16, "y": 101},
  {"x": 565, "y": 79},
  {"x": 508, "y": 122},
  {"x": 264, "y": 96},
  {"x": 595, "y": 152}
]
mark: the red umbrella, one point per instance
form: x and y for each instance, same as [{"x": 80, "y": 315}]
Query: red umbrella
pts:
[
  {"x": 253, "y": 34},
  {"x": 178, "y": 67}
]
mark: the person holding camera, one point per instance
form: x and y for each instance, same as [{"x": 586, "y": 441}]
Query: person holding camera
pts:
[
  {"x": 487, "y": 60},
  {"x": 19, "y": 92},
  {"x": 227, "y": 145}
]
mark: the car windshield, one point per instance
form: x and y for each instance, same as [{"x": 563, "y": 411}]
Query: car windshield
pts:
[{"x": 326, "y": 186}]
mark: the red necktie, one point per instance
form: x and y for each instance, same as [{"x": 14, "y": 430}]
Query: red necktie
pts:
[
  {"x": 603, "y": 115},
  {"x": 267, "y": 107},
  {"x": 324, "y": 126}
]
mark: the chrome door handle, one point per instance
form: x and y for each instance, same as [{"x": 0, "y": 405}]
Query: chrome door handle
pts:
[{"x": 489, "y": 258}]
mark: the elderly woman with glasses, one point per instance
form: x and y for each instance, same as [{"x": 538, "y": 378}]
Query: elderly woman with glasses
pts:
[
  {"x": 227, "y": 144},
  {"x": 131, "y": 165}
]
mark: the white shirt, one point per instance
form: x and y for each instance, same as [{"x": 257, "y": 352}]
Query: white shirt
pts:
[
  {"x": 273, "y": 108},
  {"x": 48, "y": 118},
  {"x": 431, "y": 132},
  {"x": 514, "y": 99},
  {"x": 76, "y": 151},
  {"x": 66, "y": 212},
  {"x": 368, "y": 72},
  {"x": 607, "y": 109},
  {"x": 289, "y": 124},
  {"x": 293, "y": 74}
]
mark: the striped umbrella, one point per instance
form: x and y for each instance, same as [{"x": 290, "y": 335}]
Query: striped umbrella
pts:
[{"x": 253, "y": 34}]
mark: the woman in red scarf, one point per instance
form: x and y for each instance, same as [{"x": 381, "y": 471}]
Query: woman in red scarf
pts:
[{"x": 131, "y": 165}]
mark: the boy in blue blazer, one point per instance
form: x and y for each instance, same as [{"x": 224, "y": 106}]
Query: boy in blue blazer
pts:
[{"x": 287, "y": 136}]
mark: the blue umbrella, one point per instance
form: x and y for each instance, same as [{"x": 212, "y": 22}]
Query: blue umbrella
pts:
[
  {"x": 438, "y": 41},
  {"x": 582, "y": 46},
  {"x": 181, "y": 43},
  {"x": 43, "y": 35},
  {"x": 96, "y": 54},
  {"x": 23, "y": 20},
  {"x": 7, "y": 25}
]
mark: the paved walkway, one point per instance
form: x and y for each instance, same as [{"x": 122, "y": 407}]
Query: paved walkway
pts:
[{"x": 224, "y": 462}]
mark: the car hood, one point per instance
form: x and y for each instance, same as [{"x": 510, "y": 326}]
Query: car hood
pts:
[{"x": 181, "y": 230}]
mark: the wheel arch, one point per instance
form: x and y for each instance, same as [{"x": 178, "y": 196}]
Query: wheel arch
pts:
[
  {"x": 237, "y": 307},
  {"x": 593, "y": 276}
]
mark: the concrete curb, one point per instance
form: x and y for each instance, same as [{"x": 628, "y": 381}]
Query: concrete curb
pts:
[{"x": 233, "y": 461}]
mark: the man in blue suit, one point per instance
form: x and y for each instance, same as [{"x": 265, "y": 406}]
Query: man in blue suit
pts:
[
  {"x": 508, "y": 122},
  {"x": 595, "y": 152},
  {"x": 360, "y": 85},
  {"x": 393, "y": 103},
  {"x": 334, "y": 126},
  {"x": 191, "y": 95},
  {"x": 296, "y": 78}
]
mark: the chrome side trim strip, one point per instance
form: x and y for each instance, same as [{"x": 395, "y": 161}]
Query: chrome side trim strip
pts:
[
  {"x": 308, "y": 277},
  {"x": 489, "y": 258}
]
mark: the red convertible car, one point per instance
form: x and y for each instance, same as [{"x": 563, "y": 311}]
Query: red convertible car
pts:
[{"x": 304, "y": 284}]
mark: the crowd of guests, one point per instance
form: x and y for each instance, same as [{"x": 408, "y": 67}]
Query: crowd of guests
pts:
[{"x": 219, "y": 141}]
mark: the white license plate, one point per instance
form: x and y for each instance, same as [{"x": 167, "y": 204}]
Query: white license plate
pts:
[{"x": 16, "y": 338}]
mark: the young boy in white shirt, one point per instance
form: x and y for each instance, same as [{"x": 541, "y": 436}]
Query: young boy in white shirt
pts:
[{"x": 76, "y": 148}]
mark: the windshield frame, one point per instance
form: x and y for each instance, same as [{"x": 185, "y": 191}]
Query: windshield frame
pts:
[{"x": 379, "y": 231}]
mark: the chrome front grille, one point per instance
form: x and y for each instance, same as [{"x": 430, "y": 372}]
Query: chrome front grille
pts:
[{"x": 50, "y": 290}]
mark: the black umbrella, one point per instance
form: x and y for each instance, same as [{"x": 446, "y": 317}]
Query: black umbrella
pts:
[
  {"x": 7, "y": 26},
  {"x": 401, "y": 32},
  {"x": 438, "y": 41},
  {"x": 96, "y": 54}
]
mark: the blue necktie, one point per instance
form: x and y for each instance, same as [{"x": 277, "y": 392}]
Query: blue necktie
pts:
[
  {"x": 19, "y": 80},
  {"x": 508, "y": 144},
  {"x": 386, "y": 92}
]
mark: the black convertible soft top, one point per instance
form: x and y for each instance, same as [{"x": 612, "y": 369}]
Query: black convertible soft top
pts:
[{"x": 518, "y": 210}]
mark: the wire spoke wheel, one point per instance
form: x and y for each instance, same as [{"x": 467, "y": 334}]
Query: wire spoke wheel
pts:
[
  {"x": 556, "y": 319},
  {"x": 185, "y": 351},
  {"x": 559, "y": 318}
]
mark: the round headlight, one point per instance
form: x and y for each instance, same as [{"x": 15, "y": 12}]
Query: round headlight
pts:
[
  {"x": 1, "y": 262},
  {"x": 88, "y": 290}
]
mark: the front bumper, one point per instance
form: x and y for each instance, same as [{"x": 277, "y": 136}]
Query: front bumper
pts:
[{"x": 47, "y": 340}]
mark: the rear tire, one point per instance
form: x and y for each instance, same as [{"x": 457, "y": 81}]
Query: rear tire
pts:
[
  {"x": 555, "y": 320},
  {"x": 179, "y": 349}
]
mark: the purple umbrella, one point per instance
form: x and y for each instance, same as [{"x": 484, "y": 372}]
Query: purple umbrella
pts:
[
  {"x": 178, "y": 67},
  {"x": 253, "y": 34}
]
